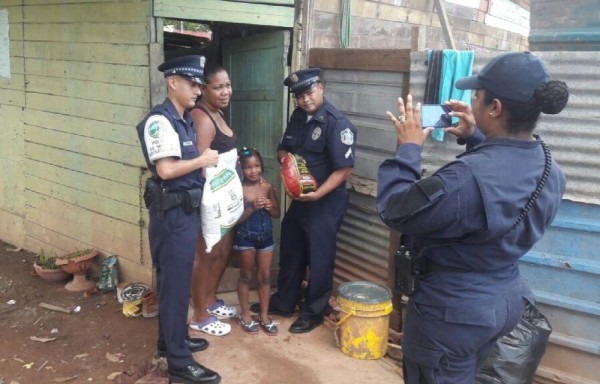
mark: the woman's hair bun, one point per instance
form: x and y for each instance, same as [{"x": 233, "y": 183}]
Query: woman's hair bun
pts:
[{"x": 551, "y": 97}]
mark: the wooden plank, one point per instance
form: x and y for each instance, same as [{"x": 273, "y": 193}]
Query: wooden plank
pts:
[
  {"x": 16, "y": 48},
  {"x": 270, "y": 2},
  {"x": 110, "y": 189},
  {"x": 11, "y": 188},
  {"x": 100, "y": 167},
  {"x": 12, "y": 97},
  {"x": 87, "y": 146},
  {"x": 126, "y": 33},
  {"x": 39, "y": 236},
  {"x": 124, "y": 74},
  {"x": 117, "y": 133},
  {"x": 95, "y": 110},
  {"x": 12, "y": 228},
  {"x": 15, "y": 28},
  {"x": 12, "y": 3},
  {"x": 440, "y": 7},
  {"x": 390, "y": 60},
  {"x": 74, "y": 12},
  {"x": 77, "y": 197},
  {"x": 67, "y": 227},
  {"x": 90, "y": 90},
  {"x": 216, "y": 10},
  {"x": 88, "y": 52},
  {"x": 16, "y": 81}
]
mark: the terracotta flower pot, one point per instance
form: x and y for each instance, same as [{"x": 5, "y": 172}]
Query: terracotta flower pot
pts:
[
  {"x": 56, "y": 274},
  {"x": 78, "y": 263}
]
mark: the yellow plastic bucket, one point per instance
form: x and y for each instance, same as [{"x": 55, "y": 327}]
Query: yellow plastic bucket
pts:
[
  {"x": 132, "y": 299},
  {"x": 362, "y": 331}
]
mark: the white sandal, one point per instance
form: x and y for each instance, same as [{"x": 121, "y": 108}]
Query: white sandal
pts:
[
  {"x": 222, "y": 311},
  {"x": 211, "y": 326}
]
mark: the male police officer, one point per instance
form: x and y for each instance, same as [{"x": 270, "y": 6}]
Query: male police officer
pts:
[
  {"x": 173, "y": 194},
  {"x": 326, "y": 139}
]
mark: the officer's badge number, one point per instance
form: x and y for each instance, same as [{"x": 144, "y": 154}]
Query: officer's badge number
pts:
[{"x": 347, "y": 136}]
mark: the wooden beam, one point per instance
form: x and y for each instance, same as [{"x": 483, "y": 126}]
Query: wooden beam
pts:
[
  {"x": 389, "y": 60},
  {"x": 226, "y": 11},
  {"x": 440, "y": 6}
]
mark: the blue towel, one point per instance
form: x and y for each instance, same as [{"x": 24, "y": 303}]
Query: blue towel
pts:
[{"x": 455, "y": 65}]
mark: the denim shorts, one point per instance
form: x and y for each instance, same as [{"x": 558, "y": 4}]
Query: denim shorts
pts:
[{"x": 256, "y": 232}]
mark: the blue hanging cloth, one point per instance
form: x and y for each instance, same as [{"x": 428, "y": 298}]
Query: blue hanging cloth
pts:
[{"x": 455, "y": 65}]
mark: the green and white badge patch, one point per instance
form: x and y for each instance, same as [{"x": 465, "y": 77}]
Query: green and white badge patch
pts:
[{"x": 154, "y": 129}]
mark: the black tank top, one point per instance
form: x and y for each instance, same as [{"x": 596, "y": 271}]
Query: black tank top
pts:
[{"x": 221, "y": 142}]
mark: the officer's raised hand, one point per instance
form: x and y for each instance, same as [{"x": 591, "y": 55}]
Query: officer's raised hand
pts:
[
  {"x": 408, "y": 123},
  {"x": 466, "y": 120}
]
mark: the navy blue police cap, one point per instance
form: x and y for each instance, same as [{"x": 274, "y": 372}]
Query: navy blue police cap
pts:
[
  {"x": 514, "y": 76},
  {"x": 300, "y": 81},
  {"x": 191, "y": 67}
]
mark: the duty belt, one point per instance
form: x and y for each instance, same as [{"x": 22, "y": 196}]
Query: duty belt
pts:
[{"x": 161, "y": 200}]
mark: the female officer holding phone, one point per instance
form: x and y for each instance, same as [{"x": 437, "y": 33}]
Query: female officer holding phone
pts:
[{"x": 474, "y": 218}]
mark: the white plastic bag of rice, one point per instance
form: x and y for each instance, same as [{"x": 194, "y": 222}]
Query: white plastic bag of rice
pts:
[{"x": 222, "y": 199}]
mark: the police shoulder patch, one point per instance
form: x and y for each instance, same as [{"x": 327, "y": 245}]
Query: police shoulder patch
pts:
[
  {"x": 156, "y": 126},
  {"x": 347, "y": 136}
]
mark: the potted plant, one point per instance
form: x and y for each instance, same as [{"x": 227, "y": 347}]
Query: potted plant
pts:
[
  {"x": 78, "y": 263},
  {"x": 46, "y": 268}
]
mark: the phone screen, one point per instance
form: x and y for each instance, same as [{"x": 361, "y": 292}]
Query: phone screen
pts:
[{"x": 435, "y": 115}]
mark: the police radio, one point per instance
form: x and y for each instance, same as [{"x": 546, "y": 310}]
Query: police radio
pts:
[{"x": 407, "y": 270}]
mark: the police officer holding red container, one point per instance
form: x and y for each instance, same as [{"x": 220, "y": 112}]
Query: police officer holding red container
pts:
[{"x": 326, "y": 139}]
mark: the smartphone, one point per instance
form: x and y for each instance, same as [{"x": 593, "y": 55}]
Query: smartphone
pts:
[{"x": 435, "y": 115}]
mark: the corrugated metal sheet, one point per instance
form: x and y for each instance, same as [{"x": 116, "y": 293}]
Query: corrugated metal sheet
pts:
[
  {"x": 557, "y": 26},
  {"x": 364, "y": 96},
  {"x": 573, "y": 135},
  {"x": 363, "y": 242}
]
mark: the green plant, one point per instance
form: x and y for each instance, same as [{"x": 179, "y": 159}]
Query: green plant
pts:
[{"x": 46, "y": 261}]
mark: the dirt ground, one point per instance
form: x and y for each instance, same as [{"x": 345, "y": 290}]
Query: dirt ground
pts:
[{"x": 98, "y": 341}]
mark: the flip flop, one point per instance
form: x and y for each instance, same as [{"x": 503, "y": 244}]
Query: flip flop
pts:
[
  {"x": 222, "y": 311},
  {"x": 211, "y": 326}
]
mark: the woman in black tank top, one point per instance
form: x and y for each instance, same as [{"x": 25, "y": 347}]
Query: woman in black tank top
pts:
[{"x": 212, "y": 131}]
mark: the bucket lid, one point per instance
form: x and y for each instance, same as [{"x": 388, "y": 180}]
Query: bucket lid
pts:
[
  {"x": 134, "y": 291},
  {"x": 364, "y": 292}
]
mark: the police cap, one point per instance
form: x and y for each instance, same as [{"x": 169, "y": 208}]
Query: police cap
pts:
[
  {"x": 191, "y": 67},
  {"x": 511, "y": 75},
  {"x": 300, "y": 81}
]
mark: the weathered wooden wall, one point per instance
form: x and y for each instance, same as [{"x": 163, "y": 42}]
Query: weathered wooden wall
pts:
[
  {"x": 70, "y": 159},
  {"x": 12, "y": 100}
]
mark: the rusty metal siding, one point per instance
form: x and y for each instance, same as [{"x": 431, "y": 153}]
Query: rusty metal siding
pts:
[
  {"x": 362, "y": 244},
  {"x": 364, "y": 96}
]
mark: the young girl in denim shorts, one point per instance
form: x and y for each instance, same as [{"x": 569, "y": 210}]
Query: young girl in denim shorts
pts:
[{"x": 254, "y": 241}]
